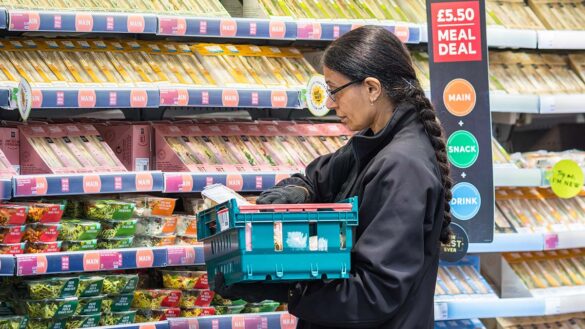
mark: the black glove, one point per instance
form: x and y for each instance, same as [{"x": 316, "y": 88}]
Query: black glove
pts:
[
  {"x": 282, "y": 195},
  {"x": 252, "y": 292}
]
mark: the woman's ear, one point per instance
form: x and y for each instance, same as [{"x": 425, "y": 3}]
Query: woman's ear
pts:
[{"x": 374, "y": 88}]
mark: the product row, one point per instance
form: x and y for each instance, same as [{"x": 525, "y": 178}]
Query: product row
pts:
[
  {"x": 536, "y": 159},
  {"x": 93, "y": 223},
  {"x": 528, "y": 210},
  {"x": 562, "y": 321},
  {"x": 537, "y": 15},
  {"x": 212, "y": 8},
  {"x": 549, "y": 269},
  {"x": 107, "y": 299},
  {"x": 461, "y": 281},
  {"x": 131, "y": 63},
  {"x": 517, "y": 72}
]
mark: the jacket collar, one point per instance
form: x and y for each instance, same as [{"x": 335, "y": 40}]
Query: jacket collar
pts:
[{"x": 366, "y": 145}]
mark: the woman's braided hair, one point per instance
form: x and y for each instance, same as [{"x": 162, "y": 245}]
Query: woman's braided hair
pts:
[{"x": 373, "y": 51}]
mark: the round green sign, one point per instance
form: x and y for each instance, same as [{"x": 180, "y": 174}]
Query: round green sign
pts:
[
  {"x": 567, "y": 179},
  {"x": 462, "y": 149}
]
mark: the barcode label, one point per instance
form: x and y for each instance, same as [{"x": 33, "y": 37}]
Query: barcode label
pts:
[
  {"x": 142, "y": 164},
  {"x": 223, "y": 216}
]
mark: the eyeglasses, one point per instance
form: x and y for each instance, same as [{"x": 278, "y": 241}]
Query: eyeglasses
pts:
[{"x": 331, "y": 93}]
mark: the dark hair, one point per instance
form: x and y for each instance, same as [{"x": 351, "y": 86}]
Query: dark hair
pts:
[{"x": 373, "y": 51}]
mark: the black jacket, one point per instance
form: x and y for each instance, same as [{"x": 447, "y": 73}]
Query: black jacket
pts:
[{"x": 396, "y": 250}]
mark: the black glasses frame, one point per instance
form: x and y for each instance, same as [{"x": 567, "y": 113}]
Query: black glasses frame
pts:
[{"x": 331, "y": 93}]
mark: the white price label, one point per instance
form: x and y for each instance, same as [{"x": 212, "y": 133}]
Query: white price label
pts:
[
  {"x": 441, "y": 311},
  {"x": 552, "y": 305},
  {"x": 547, "y": 104}
]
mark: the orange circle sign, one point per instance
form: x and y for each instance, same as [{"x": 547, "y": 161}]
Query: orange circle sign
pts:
[{"x": 459, "y": 97}]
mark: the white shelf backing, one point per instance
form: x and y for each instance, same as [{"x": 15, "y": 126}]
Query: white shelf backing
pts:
[
  {"x": 517, "y": 177},
  {"x": 556, "y": 104},
  {"x": 500, "y": 102},
  {"x": 561, "y": 39},
  {"x": 512, "y": 242},
  {"x": 500, "y": 37}
]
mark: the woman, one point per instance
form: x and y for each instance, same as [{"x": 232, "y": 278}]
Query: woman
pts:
[{"x": 397, "y": 166}]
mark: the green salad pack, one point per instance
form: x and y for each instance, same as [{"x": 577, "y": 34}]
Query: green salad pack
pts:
[
  {"x": 76, "y": 230},
  {"x": 120, "y": 284},
  {"x": 79, "y": 245},
  {"x": 116, "y": 318},
  {"x": 51, "y": 288},
  {"x": 51, "y": 308},
  {"x": 118, "y": 228},
  {"x": 90, "y": 286},
  {"x": 118, "y": 303},
  {"x": 89, "y": 305},
  {"x": 13, "y": 322},
  {"x": 109, "y": 210}
]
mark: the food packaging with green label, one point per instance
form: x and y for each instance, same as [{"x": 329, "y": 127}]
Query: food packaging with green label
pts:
[
  {"x": 229, "y": 309},
  {"x": 177, "y": 279},
  {"x": 115, "y": 243},
  {"x": 76, "y": 230},
  {"x": 117, "y": 303},
  {"x": 37, "y": 323},
  {"x": 118, "y": 228},
  {"x": 109, "y": 210},
  {"x": 120, "y": 284},
  {"x": 90, "y": 286},
  {"x": 84, "y": 321},
  {"x": 156, "y": 298},
  {"x": 161, "y": 314},
  {"x": 89, "y": 305},
  {"x": 51, "y": 288},
  {"x": 13, "y": 322},
  {"x": 79, "y": 245},
  {"x": 155, "y": 241},
  {"x": 117, "y": 318},
  {"x": 51, "y": 308}
]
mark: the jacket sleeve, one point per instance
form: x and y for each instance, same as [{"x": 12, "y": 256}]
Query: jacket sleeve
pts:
[
  {"x": 387, "y": 257},
  {"x": 321, "y": 176}
]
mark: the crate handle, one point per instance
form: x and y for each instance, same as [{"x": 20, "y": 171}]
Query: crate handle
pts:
[
  {"x": 279, "y": 273},
  {"x": 343, "y": 269},
  {"x": 250, "y": 272},
  {"x": 296, "y": 207},
  {"x": 315, "y": 271}
]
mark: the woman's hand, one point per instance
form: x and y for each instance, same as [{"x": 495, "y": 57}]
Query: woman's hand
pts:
[{"x": 283, "y": 195}]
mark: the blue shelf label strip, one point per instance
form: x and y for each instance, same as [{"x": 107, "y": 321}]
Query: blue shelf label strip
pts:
[
  {"x": 99, "y": 260},
  {"x": 41, "y": 185},
  {"x": 228, "y": 27},
  {"x": 7, "y": 265},
  {"x": 189, "y": 182},
  {"x": 3, "y": 19},
  {"x": 91, "y": 98},
  {"x": 279, "y": 320},
  {"x": 261, "y": 98},
  {"x": 5, "y": 189},
  {"x": 82, "y": 22}
]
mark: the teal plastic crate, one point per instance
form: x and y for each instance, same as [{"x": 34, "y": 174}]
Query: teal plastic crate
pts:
[{"x": 290, "y": 242}]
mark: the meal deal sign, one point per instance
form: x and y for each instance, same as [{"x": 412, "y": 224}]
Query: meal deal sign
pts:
[{"x": 460, "y": 93}]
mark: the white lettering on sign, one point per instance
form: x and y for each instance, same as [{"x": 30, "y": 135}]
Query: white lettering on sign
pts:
[
  {"x": 452, "y": 49},
  {"x": 144, "y": 182},
  {"x": 279, "y": 98},
  {"x": 84, "y": 22},
  {"x": 91, "y": 261},
  {"x": 465, "y": 201},
  {"x": 92, "y": 184},
  {"x": 462, "y": 149},
  {"x": 459, "y": 97},
  {"x": 87, "y": 98},
  {"x": 454, "y": 35},
  {"x": 144, "y": 258},
  {"x": 232, "y": 98}
]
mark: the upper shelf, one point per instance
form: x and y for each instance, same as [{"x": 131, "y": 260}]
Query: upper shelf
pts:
[{"x": 30, "y": 20}]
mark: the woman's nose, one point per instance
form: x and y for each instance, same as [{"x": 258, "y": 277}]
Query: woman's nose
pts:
[{"x": 330, "y": 103}]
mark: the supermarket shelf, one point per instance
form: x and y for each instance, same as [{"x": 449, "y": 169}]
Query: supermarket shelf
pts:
[
  {"x": 570, "y": 103},
  {"x": 230, "y": 97},
  {"x": 227, "y": 27},
  {"x": 81, "y": 21},
  {"x": 7, "y": 265},
  {"x": 82, "y": 261},
  {"x": 184, "y": 182},
  {"x": 145, "y": 325},
  {"x": 3, "y": 19},
  {"x": 490, "y": 308},
  {"x": 4, "y": 95},
  {"x": 512, "y": 242},
  {"x": 561, "y": 39},
  {"x": 331, "y": 30},
  {"x": 500, "y": 102},
  {"x": 276, "y": 320},
  {"x": 499, "y": 37},
  {"x": 94, "y": 97},
  {"x": 185, "y": 255},
  {"x": 5, "y": 189},
  {"x": 516, "y": 177},
  {"x": 94, "y": 183}
]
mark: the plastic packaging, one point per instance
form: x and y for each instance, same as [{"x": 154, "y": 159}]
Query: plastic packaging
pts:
[
  {"x": 262, "y": 307},
  {"x": 118, "y": 228},
  {"x": 36, "y": 323},
  {"x": 155, "y": 241},
  {"x": 196, "y": 297},
  {"x": 118, "y": 303},
  {"x": 90, "y": 286},
  {"x": 11, "y": 234},
  {"x": 13, "y": 214},
  {"x": 83, "y": 321},
  {"x": 197, "y": 311},
  {"x": 77, "y": 230},
  {"x": 52, "y": 288},
  {"x": 187, "y": 240},
  {"x": 44, "y": 213},
  {"x": 89, "y": 305},
  {"x": 74, "y": 209},
  {"x": 156, "y": 298},
  {"x": 115, "y": 243},
  {"x": 79, "y": 245},
  {"x": 153, "y": 226},
  {"x": 12, "y": 248},
  {"x": 187, "y": 225},
  {"x": 152, "y": 206},
  {"x": 120, "y": 284},
  {"x": 116, "y": 318},
  {"x": 229, "y": 309},
  {"x": 13, "y": 322},
  {"x": 161, "y": 314},
  {"x": 177, "y": 279},
  {"x": 108, "y": 210},
  {"x": 41, "y": 232},
  {"x": 51, "y": 308},
  {"x": 42, "y": 247}
]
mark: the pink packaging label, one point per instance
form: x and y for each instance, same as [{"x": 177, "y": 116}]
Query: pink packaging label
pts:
[
  {"x": 181, "y": 256},
  {"x": 110, "y": 260}
]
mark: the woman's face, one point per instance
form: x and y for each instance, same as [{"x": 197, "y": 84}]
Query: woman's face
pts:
[{"x": 352, "y": 103}]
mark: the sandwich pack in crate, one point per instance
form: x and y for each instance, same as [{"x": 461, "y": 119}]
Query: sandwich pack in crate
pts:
[{"x": 278, "y": 242}]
